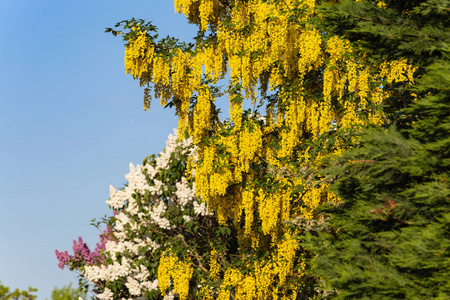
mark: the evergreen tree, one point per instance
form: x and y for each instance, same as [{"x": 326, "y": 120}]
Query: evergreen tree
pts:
[{"x": 389, "y": 236}]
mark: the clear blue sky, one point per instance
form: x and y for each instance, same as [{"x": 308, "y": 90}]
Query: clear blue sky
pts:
[{"x": 70, "y": 123}]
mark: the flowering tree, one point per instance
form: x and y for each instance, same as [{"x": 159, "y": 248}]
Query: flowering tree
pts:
[{"x": 257, "y": 170}]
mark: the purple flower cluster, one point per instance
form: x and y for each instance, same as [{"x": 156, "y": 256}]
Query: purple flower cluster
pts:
[
  {"x": 82, "y": 253},
  {"x": 63, "y": 258}
]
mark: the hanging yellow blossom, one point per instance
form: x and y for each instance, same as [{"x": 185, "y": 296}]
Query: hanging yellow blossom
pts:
[
  {"x": 170, "y": 267},
  {"x": 214, "y": 266}
]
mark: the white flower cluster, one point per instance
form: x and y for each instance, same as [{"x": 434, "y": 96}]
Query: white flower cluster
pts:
[
  {"x": 106, "y": 295},
  {"x": 155, "y": 215},
  {"x": 131, "y": 247},
  {"x": 162, "y": 162},
  {"x": 108, "y": 273},
  {"x": 187, "y": 218},
  {"x": 144, "y": 182},
  {"x": 184, "y": 193},
  {"x": 137, "y": 279},
  {"x": 134, "y": 287},
  {"x": 169, "y": 296},
  {"x": 201, "y": 209},
  {"x": 137, "y": 183},
  {"x": 139, "y": 282}
]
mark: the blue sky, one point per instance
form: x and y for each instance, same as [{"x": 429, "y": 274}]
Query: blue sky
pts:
[{"x": 70, "y": 123}]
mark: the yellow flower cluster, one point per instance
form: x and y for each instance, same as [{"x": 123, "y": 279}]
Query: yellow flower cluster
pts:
[
  {"x": 202, "y": 13},
  {"x": 202, "y": 115},
  {"x": 397, "y": 71},
  {"x": 139, "y": 56},
  {"x": 269, "y": 279},
  {"x": 170, "y": 267},
  {"x": 214, "y": 266},
  {"x": 381, "y": 4}
]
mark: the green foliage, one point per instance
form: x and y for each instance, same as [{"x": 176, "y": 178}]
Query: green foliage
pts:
[
  {"x": 67, "y": 293},
  {"x": 390, "y": 236},
  {"x": 163, "y": 45},
  {"x": 413, "y": 29},
  {"x": 433, "y": 125},
  {"x": 17, "y": 294}
]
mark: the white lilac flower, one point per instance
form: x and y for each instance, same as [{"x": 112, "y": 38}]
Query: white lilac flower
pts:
[
  {"x": 184, "y": 193},
  {"x": 117, "y": 198},
  {"x": 169, "y": 296},
  {"x": 106, "y": 295},
  {"x": 133, "y": 286},
  {"x": 136, "y": 179},
  {"x": 94, "y": 273},
  {"x": 187, "y": 218},
  {"x": 118, "y": 270},
  {"x": 152, "y": 244},
  {"x": 155, "y": 216},
  {"x": 141, "y": 273},
  {"x": 201, "y": 209},
  {"x": 121, "y": 221},
  {"x": 150, "y": 285}
]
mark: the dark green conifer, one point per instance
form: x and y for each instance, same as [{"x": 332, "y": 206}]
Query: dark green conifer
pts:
[{"x": 390, "y": 236}]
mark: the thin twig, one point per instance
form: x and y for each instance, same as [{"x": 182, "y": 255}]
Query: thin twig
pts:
[{"x": 225, "y": 7}]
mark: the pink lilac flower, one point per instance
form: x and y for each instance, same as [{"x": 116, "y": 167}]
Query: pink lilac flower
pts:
[
  {"x": 63, "y": 257},
  {"x": 82, "y": 253}
]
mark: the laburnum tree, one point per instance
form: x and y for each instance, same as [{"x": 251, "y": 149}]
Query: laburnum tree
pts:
[
  {"x": 389, "y": 238},
  {"x": 256, "y": 171}
]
